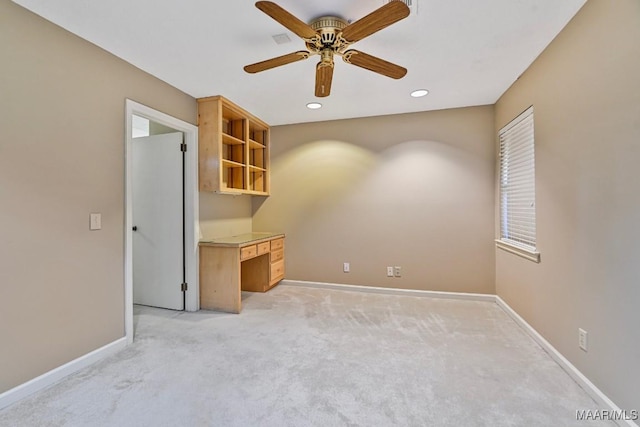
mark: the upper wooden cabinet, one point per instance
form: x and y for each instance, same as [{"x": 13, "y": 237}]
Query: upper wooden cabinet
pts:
[{"x": 233, "y": 149}]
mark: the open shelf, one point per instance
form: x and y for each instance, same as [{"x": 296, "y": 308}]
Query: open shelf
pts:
[
  {"x": 232, "y": 164},
  {"x": 254, "y": 144},
  {"x": 233, "y": 148},
  {"x": 256, "y": 180},
  {"x": 231, "y": 140},
  {"x": 233, "y": 175}
]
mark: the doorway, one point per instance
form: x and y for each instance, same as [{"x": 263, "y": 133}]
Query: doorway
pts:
[{"x": 167, "y": 130}]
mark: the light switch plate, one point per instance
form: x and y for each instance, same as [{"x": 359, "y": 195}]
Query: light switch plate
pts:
[{"x": 95, "y": 221}]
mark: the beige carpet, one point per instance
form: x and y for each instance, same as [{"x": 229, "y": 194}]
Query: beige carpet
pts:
[{"x": 315, "y": 357}]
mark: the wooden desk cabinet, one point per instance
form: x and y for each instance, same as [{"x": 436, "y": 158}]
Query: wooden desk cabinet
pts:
[{"x": 248, "y": 262}]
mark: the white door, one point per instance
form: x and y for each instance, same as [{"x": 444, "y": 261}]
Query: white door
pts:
[{"x": 158, "y": 236}]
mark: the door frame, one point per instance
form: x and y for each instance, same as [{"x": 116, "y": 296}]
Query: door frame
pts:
[{"x": 191, "y": 216}]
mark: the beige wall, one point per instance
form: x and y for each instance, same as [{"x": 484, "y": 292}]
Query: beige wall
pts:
[
  {"x": 413, "y": 190},
  {"x": 585, "y": 89},
  {"x": 224, "y": 215},
  {"x": 62, "y": 130}
]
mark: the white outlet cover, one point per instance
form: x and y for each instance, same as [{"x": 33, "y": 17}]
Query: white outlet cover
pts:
[
  {"x": 583, "y": 339},
  {"x": 345, "y": 267},
  {"x": 397, "y": 271},
  {"x": 95, "y": 221}
]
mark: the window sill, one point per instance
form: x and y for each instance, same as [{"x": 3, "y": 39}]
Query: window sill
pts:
[{"x": 531, "y": 255}]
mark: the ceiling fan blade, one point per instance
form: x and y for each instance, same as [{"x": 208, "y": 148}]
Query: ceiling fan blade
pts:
[
  {"x": 276, "y": 62},
  {"x": 374, "y": 64},
  {"x": 324, "y": 75},
  {"x": 380, "y": 18},
  {"x": 287, "y": 20}
]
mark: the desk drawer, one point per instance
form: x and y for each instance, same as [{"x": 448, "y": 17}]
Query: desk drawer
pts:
[
  {"x": 277, "y": 270},
  {"x": 277, "y": 244},
  {"x": 248, "y": 252},
  {"x": 277, "y": 255},
  {"x": 263, "y": 248}
]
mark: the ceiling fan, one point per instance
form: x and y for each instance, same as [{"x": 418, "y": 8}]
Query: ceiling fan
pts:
[{"x": 328, "y": 36}]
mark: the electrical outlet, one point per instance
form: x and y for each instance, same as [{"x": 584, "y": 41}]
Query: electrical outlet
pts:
[
  {"x": 583, "y": 341},
  {"x": 389, "y": 271},
  {"x": 346, "y": 267},
  {"x": 397, "y": 271}
]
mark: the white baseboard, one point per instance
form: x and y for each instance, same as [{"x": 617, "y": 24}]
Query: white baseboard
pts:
[
  {"x": 15, "y": 394},
  {"x": 10, "y": 397},
  {"x": 392, "y": 291},
  {"x": 591, "y": 389}
]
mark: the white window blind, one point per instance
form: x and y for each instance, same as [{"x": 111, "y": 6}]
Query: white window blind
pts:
[{"x": 517, "y": 183}]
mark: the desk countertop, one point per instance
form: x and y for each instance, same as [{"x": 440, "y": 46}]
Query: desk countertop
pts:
[{"x": 241, "y": 239}]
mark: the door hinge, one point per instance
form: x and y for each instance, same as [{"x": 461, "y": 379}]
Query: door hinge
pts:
[
  {"x": 184, "y": 287},
  {"x": 183, "y": 147}
]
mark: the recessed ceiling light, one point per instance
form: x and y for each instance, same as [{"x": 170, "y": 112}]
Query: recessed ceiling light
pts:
[
  {"x": 314, "y": 105},
  {"x": 418, "y": 93}
]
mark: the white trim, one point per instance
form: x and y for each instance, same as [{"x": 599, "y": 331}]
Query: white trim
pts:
[
  {"x": 392, "y": 291},
  {"x": 594, "y": 392},
  {"x": 192, "y": 220},
  {"x": 518, "y": 250},
  {"x": 591, "y": 389},
  {"x": 15, "y": 394}
]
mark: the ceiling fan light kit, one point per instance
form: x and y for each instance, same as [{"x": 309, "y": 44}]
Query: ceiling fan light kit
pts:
[{"x": 329, "y": 36}]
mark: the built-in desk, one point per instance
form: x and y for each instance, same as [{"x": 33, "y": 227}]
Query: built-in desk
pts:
[{"x": 229, "y": 265}]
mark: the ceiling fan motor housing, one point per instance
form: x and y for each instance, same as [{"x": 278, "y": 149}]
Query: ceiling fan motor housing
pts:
[{"x": 328, "y": 27}]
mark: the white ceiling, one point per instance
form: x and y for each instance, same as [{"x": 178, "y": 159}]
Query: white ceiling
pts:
[{"x": 465, "y": 52}]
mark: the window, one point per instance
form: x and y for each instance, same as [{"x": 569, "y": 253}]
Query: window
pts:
[{"x": 517, "y": 187}]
